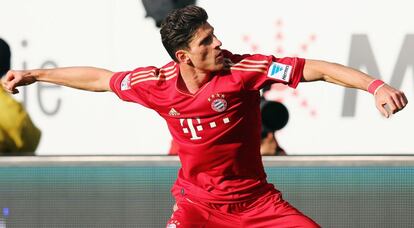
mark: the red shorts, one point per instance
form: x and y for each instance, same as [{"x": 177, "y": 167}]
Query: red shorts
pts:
[{"x": 269, "y": 210}]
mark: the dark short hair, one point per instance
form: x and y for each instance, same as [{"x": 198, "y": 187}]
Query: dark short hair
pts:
[
  {"x": 4, "y": 57},
  {"x": 179, "y": 27}
]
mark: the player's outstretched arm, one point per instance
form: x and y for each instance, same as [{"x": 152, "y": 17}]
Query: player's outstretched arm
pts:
[
  {"x": 388, "y": 100},
  {"x": 85, "y": 78}
]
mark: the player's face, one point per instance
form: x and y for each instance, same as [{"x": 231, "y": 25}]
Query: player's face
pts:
[{"x": 204, "y": 50}]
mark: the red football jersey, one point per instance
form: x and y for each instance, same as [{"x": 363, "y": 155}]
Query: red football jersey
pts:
[{"x": 218, "y": 128}]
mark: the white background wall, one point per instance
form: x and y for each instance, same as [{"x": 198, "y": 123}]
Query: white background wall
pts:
[{"x": 116, "y": 35}]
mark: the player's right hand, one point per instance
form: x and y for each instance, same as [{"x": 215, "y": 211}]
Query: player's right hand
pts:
[{"x": 16, "y": 78}]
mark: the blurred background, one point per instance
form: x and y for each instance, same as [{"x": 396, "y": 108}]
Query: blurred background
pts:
[{"x": 328, "y": 125}]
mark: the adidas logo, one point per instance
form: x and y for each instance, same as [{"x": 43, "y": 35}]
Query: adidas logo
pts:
[{"x": 173, "y": 112}]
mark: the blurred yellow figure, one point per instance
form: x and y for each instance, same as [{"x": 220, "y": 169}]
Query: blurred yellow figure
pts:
[{"x": 18, "y": 134}]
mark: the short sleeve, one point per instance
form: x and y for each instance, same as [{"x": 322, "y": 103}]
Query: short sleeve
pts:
[
  {"x": 257, "y": 71},
  {"x": 124, "y": 85}
]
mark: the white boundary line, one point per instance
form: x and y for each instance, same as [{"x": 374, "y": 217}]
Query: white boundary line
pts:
[{"x": 275, "y": 161}]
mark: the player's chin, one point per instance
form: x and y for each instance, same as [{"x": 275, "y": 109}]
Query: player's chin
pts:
[{"x": 219, "y": 66}]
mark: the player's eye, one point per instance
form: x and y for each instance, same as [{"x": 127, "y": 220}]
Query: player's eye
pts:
[{"x": 208, "y": 40}]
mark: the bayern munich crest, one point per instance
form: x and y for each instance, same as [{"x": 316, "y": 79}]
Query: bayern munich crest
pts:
[{"x": 218, "y": 102}]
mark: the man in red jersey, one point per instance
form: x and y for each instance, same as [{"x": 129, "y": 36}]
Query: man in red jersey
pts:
[{"x": 210, "y": 100}]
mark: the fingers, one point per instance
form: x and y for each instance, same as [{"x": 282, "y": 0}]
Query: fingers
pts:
[
  {"x": 393, "y": 106},
  {"x": 9, "y": 76},
  {"x": 15, "y": 91},
  {"x": 399, "y": 100},
  {"x": 403, "y": 99},
  {"x": 9, "y": 82},
  {"x": 383, "y": 110},
  {"x": 389, "y": 100}
]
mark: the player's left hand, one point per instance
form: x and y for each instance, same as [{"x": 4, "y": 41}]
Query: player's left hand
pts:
[{"x": 389, "y": 100}]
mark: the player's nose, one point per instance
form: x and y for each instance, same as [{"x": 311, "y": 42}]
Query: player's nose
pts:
[{"x": 217, "y": 42}]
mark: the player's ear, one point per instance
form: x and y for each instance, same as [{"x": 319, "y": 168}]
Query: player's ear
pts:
[{"x": 182, "y": 56}]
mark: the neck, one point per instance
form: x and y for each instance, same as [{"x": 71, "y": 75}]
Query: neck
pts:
[{"x": 193, "y": 79}]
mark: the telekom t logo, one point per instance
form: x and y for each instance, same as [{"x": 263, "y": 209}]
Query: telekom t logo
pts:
[
  {"x": 191, "y": 128},
  {"x": 194, "y": 126}
]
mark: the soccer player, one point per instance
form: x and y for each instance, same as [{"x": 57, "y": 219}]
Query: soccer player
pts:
[{"x": 210, "y": 100}]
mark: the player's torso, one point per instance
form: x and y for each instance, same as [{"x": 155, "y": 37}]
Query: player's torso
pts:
[
  {"x": 199, "y": 118},
  {"x": 216, "y": 128}
]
